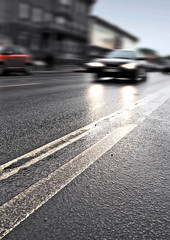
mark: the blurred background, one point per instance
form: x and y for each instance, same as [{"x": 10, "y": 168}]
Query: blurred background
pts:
[{"x": 72, "y": 31}]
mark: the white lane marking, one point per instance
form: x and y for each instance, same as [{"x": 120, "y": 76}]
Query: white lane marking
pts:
[
  {"x": 51, "y": 148},
  {"x": 21, "y": 206},
  {"x": 41, "y": 153},
  {"x": 19, "y": 85}
]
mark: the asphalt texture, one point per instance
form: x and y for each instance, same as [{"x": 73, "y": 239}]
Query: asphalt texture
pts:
[{"x": 125, "y": 193}]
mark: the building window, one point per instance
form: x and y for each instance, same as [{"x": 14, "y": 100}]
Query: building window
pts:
[
  {"x": 48, "y": 17},
  {"x": 37, "y": 15},
  {"x": 24, "y": 10},
  {"x": 66, "y": 2},
  {"x": 60, "y": 20}
]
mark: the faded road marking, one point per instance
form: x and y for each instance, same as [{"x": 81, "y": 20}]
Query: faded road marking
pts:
[{"x": 19, "y": 85}]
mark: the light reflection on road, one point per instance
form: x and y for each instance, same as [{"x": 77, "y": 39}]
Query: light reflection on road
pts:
[
  {"x": 127, "y": 98},
  {"x": 128, "y": 95},
  {"x": 96, "y": 98}
]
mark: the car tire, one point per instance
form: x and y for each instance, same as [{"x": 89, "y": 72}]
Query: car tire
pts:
[
  {"x": 97, "y": 77},
  {"x": 166, "y": 73},
  {"x": 141, "y": 75},
  {"x": 28, "y": 69},
  {"x": 2, "y": 69}
]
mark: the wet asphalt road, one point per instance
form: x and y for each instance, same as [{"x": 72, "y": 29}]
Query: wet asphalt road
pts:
[
  {"x": 125, "y": 193},
  {"x": 52, "y": 106}
]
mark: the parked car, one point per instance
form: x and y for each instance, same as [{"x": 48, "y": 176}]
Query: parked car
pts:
[
  {"x": 15, "y": 58},
  {"x": 119, "y": 64}
]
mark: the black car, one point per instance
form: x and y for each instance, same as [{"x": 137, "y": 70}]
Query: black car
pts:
[
  {"x": 119, "y": 64},
  {"x": 166, "y": 67}
]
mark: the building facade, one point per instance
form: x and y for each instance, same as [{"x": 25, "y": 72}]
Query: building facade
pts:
[
  {"x": 105, "y": 37},
  {"x": 59, "y": 27}
]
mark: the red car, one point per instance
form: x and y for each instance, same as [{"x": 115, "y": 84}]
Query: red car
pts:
[{"x": 14, "y": 58}]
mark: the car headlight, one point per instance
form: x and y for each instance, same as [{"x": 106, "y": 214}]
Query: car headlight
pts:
[
  {"x": 95, "y": 64},
  {"x": 129, "y": 65}
]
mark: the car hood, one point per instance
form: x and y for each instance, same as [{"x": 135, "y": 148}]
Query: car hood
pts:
[{"x": 114, "y": 61}]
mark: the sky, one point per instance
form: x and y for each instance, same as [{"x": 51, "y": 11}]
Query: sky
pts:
[{"x": 149, "y": 20}]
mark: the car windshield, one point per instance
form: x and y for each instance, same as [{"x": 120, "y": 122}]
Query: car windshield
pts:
[{"x": 122, "y": 54}]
